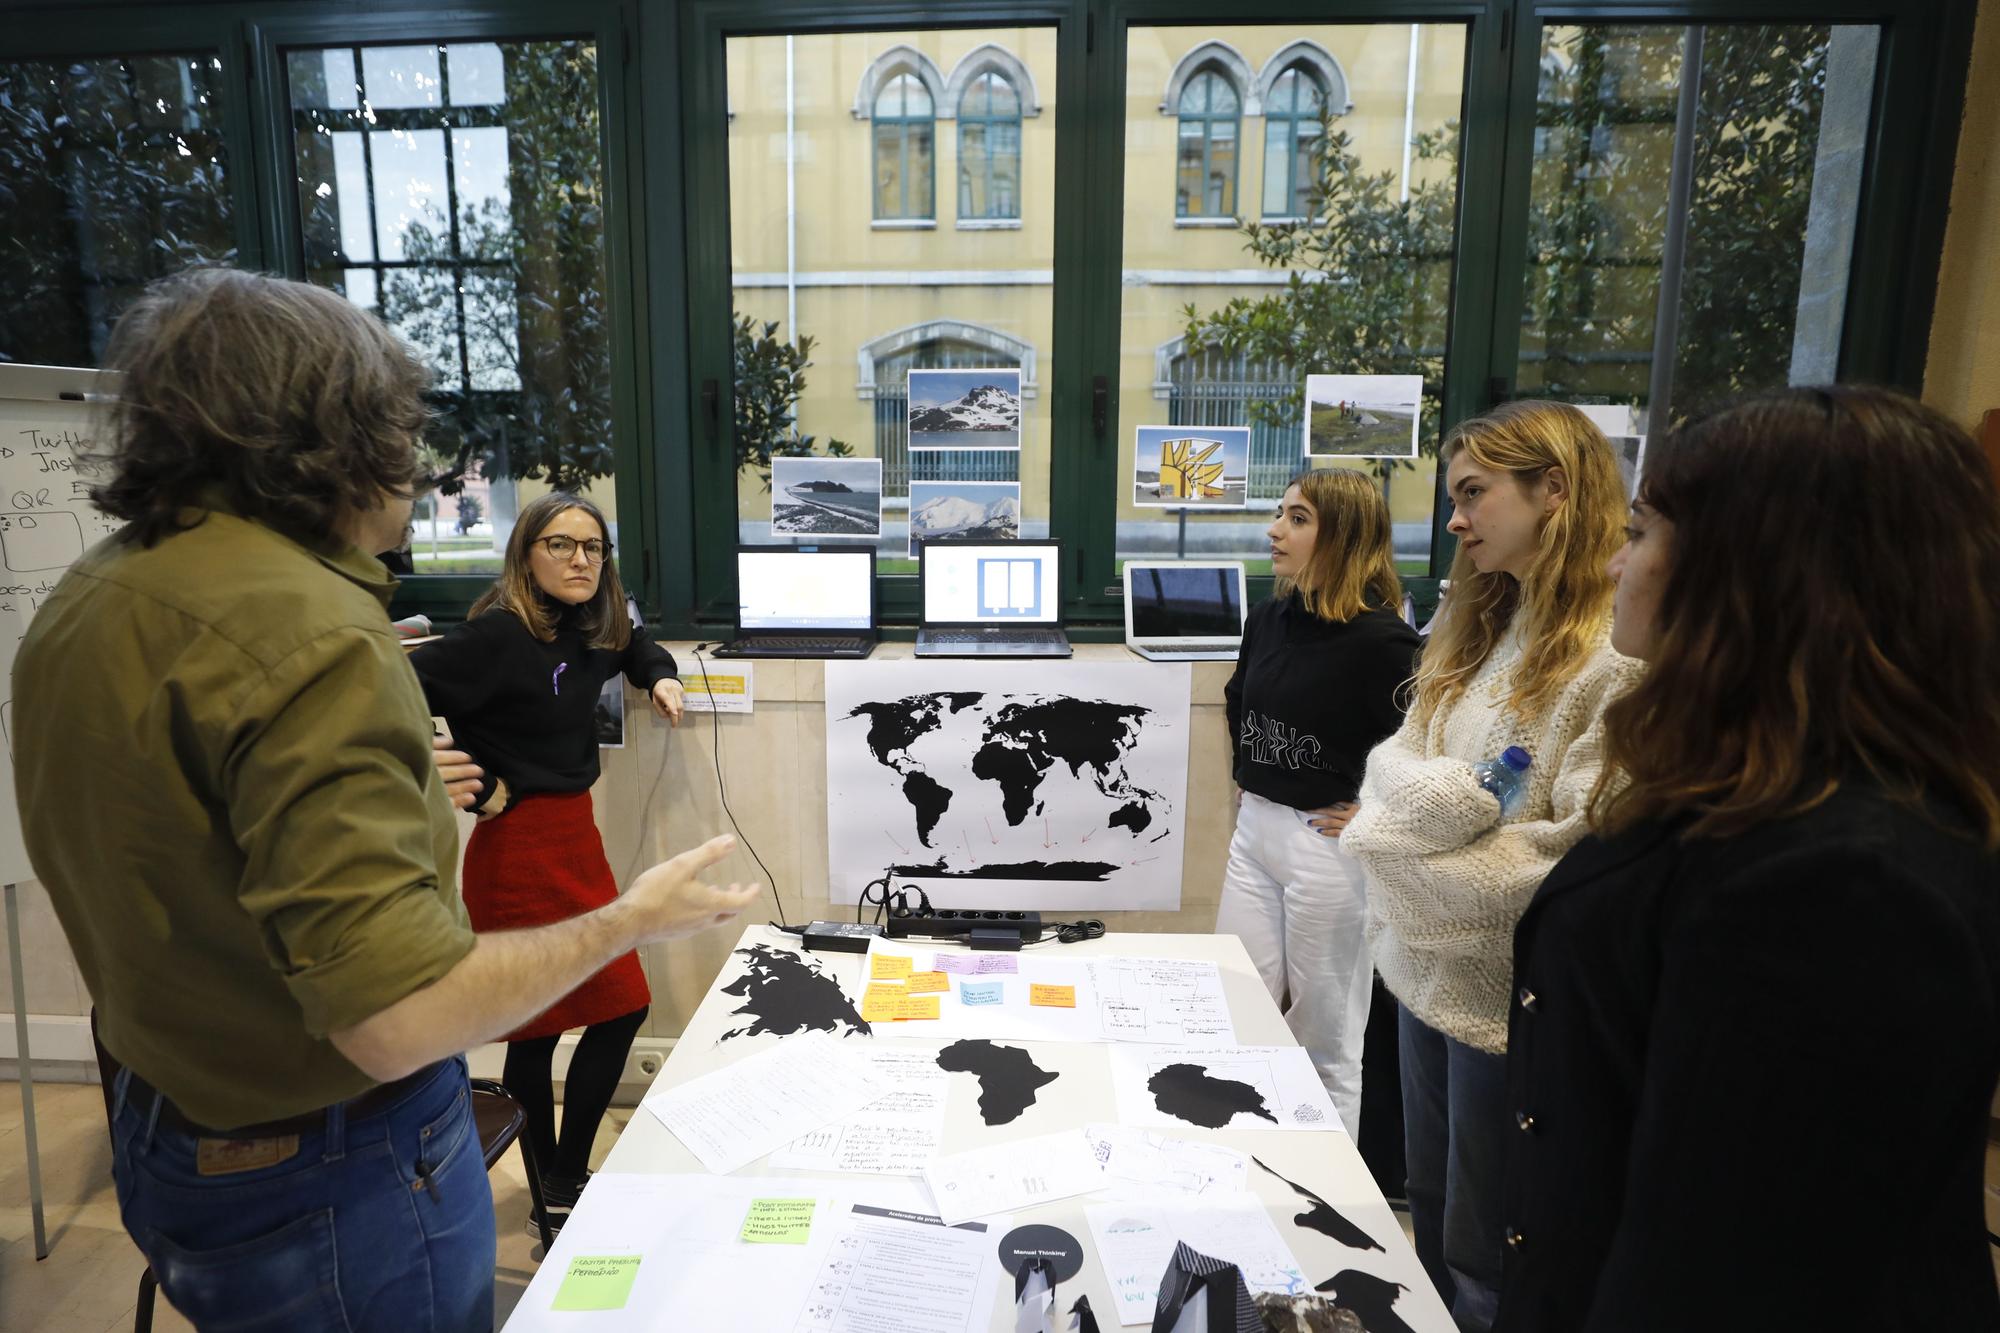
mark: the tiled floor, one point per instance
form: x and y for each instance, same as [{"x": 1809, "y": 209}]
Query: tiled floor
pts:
[{"x": 89, "y": 1283}]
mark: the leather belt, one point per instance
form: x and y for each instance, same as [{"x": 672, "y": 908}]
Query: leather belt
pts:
[{"x": 372, "y": 1102}]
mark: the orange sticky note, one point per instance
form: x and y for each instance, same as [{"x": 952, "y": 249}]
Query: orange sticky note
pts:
[
  {"x": 916, "y": 1006},
  {"x": 1052, "y": 997},
  {"x": 879, "y": 1008},
  {"x": 928, "y": 981},
  {"x": 889, "y": 966}
]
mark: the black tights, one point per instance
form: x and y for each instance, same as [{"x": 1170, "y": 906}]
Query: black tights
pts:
[{"x": 593, "y": 1076}]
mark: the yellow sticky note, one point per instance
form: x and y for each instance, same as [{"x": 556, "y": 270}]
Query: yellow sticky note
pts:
[
  {"x": 917, "y": 1006},
  {"x": 889, "y": 966},
  {"x": 879, "y": 1008},
  {"x": 599, "y": 1282},
  {"x": 778, "y": 1222},
  {"x": 928, "y": 981},
  {"x": 882, "y": 990},
  {"x": 1052, "y": 997}
]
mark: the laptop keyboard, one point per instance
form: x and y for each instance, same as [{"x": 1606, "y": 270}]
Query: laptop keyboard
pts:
[
  {"x": 1183, "y": 649},
  {"x": 778, "y": 645},
  {"x": 1051, "y": 637}
]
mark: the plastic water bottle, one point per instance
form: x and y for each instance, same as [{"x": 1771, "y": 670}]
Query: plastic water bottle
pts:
[{"x": 1506, "y": 777}]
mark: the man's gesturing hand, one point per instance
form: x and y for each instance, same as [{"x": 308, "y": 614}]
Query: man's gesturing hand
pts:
[{"x": 670, "y": 899}]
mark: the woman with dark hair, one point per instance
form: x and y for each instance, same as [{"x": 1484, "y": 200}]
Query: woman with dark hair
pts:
[
  {"x": 1757, "y": 1027},
  {"x": 518, "y": 683},
  {"x": 1315, "y": 689}
]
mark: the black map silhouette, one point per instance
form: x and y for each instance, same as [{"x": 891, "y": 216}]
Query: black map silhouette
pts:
[
  {"x": 1323, "y": 1218},
  {"x": 1193, "y": 1094},
  {"x": 1021, "y": 740},
  {"x": 785, "y": 993},
  {"x": 1371, "y": 1298},
  {"x": 1008, "y": 1077}
]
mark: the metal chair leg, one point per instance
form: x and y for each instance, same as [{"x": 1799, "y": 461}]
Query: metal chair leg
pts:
[{"x": 148, "y": 1285}]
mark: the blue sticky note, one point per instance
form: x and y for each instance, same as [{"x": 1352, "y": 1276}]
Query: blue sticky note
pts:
[{"x": 981, "y": 992}]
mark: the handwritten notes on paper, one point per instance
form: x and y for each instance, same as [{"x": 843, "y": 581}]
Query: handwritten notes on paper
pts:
[
  {"x": 888, "y": 966},
  {"x": 893, "y": 1135},
  {"x": 1052, "y": 997},
  {"x": 598, "y": 1282},
  {"x": 977, "y": 964},
  {"x": 921, "y": 982},
  {"x": 981, "y": 992},
  {"x": 1177, "y": 1001},
  {"x": 1135, "y": 1240},
  {"x": 735, "y": 1115},
  {"x": 785, "y": 1221},
  {"x": 1017, "y": 1174}
]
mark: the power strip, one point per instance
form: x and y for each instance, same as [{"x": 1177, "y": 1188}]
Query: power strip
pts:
[{"x": 980, "y": 930}]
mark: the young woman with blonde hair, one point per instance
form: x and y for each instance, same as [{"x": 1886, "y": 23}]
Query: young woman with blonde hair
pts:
[
  {"x": 1315, "y": 688},
  {"x": 1521, "y": 656},
  {"x": 518, "y": 683}
]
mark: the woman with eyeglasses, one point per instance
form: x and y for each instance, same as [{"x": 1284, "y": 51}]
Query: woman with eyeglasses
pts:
[{"x": 518, "y": 683}]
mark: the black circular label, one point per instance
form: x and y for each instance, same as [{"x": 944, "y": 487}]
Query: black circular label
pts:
[{"x": 1023, "y": 1245}]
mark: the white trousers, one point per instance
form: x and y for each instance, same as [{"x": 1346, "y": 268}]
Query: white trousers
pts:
[{"x": 1300, "y": 905}]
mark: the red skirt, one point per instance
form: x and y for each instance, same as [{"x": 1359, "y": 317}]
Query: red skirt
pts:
[{"x": 539, "y": 862}]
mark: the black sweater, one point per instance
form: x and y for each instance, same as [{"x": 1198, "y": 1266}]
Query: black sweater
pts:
[
  {"x": 1311, "y": 697},
  {"x": 523, "y": 709}
]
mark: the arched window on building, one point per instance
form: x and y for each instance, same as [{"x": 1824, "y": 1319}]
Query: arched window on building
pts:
[
  {"x": 1211, "y": 120},
  {"x": 989, "y": 149},
  {"x": 905, "y": 127},
  {"x": 1294, "y": 124},
  {"x": 886, "y": 363}
]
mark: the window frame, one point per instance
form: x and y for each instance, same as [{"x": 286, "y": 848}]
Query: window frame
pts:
[
  {"x": 1208, "y": 120},
  {"x": 988, "y": 120},
  {"x": 1290, "y": 119},
  {"x": 906, "y": 125}
]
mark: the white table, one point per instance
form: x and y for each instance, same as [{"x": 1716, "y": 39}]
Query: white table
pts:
[{"x": 1327, "y": 1163}]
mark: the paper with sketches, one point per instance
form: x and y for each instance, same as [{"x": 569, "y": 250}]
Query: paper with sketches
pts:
[
  {"x": 1173, "y": 1000},
  {"x": 1233, "y": 1087},
  {"x": 1017, "y": 1174},
  {"x": 1134, "y": 1241},
  {"x": 893, "y": 1135},
  {"x": 733, "y": 1116},
  {"x": 1139, "y": 1161}
]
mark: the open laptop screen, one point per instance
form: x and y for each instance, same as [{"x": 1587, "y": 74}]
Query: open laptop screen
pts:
[
  {"x": 806, "y": 590},
  {"x": 989, "y": 583},
  {"x": 1185, "y": 602}
]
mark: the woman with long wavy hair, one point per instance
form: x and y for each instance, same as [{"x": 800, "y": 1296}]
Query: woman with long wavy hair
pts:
[
  {"x": 1758, "y": 1025},
  {"x": 1520, "y": 656},
  {"x": 518, "y": 684}
]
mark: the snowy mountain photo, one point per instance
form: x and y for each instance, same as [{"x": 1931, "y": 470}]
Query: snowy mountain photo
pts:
[
  {"x": 967, "y": 510},
  {"x": 965, "y": 409}
]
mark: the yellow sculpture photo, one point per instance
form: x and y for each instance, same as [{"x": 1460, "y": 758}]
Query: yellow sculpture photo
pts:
[{"x": 1187, "y": 475}]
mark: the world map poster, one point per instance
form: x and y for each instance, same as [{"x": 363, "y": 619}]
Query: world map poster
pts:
[{"x": 1028, "y": 786}]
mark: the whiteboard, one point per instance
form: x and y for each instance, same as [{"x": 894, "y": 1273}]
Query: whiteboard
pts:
[{"x": 46, "y": 523}]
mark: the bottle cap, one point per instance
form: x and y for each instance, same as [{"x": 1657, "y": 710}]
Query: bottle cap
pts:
[{"x": 1515, "y": 758}]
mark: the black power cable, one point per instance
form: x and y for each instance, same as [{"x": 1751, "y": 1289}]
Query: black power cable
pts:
[{"x": 722, "y": 789}]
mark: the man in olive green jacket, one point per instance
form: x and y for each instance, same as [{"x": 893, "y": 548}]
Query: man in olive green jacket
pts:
[{"x": 228, "y": 785}]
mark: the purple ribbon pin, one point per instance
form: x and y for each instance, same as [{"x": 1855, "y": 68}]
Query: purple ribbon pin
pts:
[{"x": 555, "y": 681}]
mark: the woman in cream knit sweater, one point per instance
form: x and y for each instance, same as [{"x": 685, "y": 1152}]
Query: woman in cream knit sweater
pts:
[{"x": 1521, "y": 656}]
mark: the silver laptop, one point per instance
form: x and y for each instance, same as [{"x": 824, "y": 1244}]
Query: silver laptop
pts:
[
  {"x": 990, "y": 599},
  {"x": 1184, "y": 611},
  {"x": 804, "y": 601}
]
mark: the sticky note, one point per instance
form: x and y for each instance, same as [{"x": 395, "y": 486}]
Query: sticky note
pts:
[
  {"x": 878, "y": 1008},
  {"x": 889, "y": 966},
  {"x": 928, "y": 981},
  {"x": 882, "y": 990},
  {"x": 976, "y": 964},
  {"x": 1052, "y": 997},
  {"x": 916, "y": 1006},
  {"x": 981, "y": 992},
  {"x": 597, "y": 1282},
  {"x": 778, "y": 1222}
]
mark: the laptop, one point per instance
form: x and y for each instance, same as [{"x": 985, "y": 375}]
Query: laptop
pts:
[
  {"x": 989, "y": 599},
  {"x": 804, "y": 601},
  {"x": 1184, "y": 611}
]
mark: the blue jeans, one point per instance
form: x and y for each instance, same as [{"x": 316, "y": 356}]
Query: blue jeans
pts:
[
  {"x": 1455, "y": 1128},
  {"x": 380, "y": 1223}
]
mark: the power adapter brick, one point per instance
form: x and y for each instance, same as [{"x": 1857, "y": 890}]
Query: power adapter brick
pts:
[{"x": 839, "y": 936}]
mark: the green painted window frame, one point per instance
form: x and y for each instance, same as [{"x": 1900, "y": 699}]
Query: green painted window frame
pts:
[
  {"x": 989, "y": 120},
  {"x": 1286, "y": 122},
  {"x": 908, "y": 127},
  {"x": 1208, "y": 77},
  {"x": 667, "y": 260}
]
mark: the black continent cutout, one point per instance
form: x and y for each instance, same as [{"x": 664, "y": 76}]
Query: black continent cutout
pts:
[
  {"x": 1323, "y": 1218},
  {"x": 1008, "y": 1077},
  {"x": 1194, "y": 1095},
  {"x": 785, "y": 994},
  {"x": 1372, "y": 1299}
]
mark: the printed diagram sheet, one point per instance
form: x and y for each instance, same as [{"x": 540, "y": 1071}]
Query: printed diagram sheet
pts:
[
  {"x": 1017, "y": 1174},
  {"x": 1134, "y": 1241},
  {"x": 893, "y": 1135},
  {"x": 897, "y": 1271},
  {"x": 1238, "y": 1087},
  {"x": 740, "y": 1112},
  {"x": 1176, "y": 1001}
]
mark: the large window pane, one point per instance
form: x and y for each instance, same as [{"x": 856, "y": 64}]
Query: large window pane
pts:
[
  {"x": 1358, "y": 141},
  {"x": 113, "y": 172},
  {"x": 840, "y": 299},
  {"x": 458, "y": 192},
  {"x": 1776, "y": 117}
]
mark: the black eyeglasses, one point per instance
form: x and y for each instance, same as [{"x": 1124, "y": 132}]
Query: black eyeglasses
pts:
[{"x": 562, "y": 548}]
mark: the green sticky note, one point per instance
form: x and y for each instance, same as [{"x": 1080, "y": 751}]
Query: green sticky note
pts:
[
  {"x": 778, "y": 1222},
  {"x": 597, "y": 1282}
]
